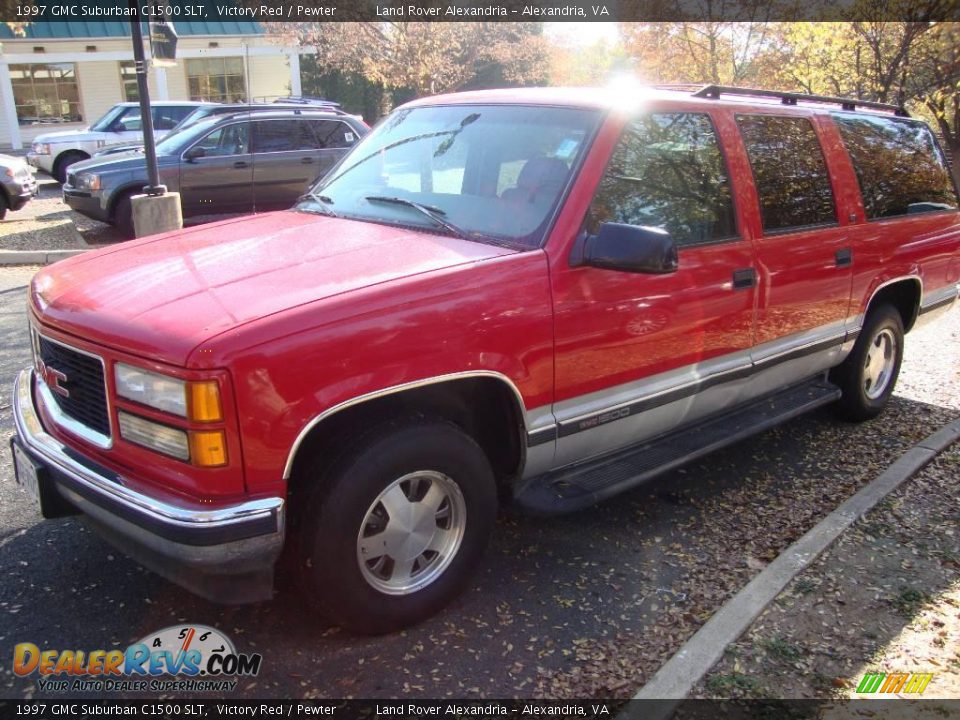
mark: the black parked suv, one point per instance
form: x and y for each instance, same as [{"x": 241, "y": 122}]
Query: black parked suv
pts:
[{"x": 225, "y": 164}]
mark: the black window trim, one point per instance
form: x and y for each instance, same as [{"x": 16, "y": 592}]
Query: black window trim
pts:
[
  {"x": 937, "y": 148},
  {"x": 764, "y": 233},
  {"x": 737, "y": 235}
]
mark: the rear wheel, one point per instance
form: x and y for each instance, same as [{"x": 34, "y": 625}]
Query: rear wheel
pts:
[
  {"x": 64, "y": 162},
  {"x": 3, "y": 206},
  {"x": 869, "y": 374},
  {"x": 394, "y": 531}
]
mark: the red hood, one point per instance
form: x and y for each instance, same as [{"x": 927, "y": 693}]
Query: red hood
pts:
[{"x": 160, "y": 297}]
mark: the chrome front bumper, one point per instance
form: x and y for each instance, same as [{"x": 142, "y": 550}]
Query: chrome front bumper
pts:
[{"x": 225, "y": 554}]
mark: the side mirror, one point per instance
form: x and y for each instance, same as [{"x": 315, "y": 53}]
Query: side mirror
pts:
[
  {"x": 193, "y": 153},
  {"x": 631, "y": 248}
]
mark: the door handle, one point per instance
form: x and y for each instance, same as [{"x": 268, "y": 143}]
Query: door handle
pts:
[
  {"x": 241, "y": 164},
  {"x": 844, "y": 257},
  {"x": 306, "y": 161},
  {"x": 744, "y": 278}
]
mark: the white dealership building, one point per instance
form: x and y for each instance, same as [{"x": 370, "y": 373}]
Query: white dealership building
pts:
[{"x": 64, "y": 75}]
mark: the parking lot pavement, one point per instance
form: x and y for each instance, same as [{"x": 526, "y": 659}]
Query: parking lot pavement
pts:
[{"x": 587, "y": 605}]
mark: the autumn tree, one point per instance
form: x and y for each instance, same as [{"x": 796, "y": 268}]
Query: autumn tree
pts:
[
  {"x": 913, "y": 63},
  {"x": 722, "y": 52},
  {"x": 934, "y": 85},
  {"x": 425, "y": 57}
]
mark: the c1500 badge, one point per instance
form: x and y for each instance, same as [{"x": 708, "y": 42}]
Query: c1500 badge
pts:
[{"x": 197, "y": 657}]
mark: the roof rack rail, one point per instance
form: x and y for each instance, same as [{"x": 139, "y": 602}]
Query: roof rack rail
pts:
[
  {"x": 791, "y": 98},
  {"x": 678, "y": 86}
]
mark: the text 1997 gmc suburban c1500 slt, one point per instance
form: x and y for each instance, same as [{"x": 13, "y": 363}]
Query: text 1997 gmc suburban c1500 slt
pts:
[{"x": 537, "y": 296}]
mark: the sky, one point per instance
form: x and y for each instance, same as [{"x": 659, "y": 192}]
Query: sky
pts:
[{"x": 581, "y": 33}]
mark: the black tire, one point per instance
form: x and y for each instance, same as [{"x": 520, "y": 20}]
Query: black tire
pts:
[
  {"x": 862, "y": 398},
  {"x": 65, "y": 161},
  {"x": 3, "y": 206},
  {"x": 123, "y": 217},
  {"x": 345, "y": 496}
]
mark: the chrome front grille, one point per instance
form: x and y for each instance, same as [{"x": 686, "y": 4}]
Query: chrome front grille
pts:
[{"x": 76, "y": 384}]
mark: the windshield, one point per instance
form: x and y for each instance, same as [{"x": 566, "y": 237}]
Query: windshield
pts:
[
  {"x": 493, "y": 172},
  {"x": 106, "y": 122}
]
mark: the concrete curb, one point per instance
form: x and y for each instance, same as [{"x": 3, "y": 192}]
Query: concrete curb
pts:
[
  {"x": 676, "y": 678},
  {"x": 37, "y": 257}
]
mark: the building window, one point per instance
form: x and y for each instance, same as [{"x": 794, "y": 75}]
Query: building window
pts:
[
  {"x": 46, "y": 93},
  {"x": 128, "y": 77},
  {"x": 216, "y": 79}
]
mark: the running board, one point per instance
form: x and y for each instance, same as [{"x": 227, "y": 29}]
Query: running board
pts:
[{"x": 578, "y": 486}]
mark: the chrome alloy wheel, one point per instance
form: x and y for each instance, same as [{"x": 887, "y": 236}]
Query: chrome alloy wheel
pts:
[
  {"x": 411, "y": 532},
  {"x": 879, "y": 365}
]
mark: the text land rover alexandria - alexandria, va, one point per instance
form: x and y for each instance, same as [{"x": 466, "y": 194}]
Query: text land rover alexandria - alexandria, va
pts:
[{"x": 537, "y": 296}]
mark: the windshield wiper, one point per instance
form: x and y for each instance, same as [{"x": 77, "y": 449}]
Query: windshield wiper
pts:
[
  {"x": 323, "y": 200},
  {"x": 434, "y": 213}
]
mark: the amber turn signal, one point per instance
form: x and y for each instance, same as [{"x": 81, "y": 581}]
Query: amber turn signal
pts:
[
  {"x": 204, "y": 401},
  {"x": 208, "y": 448}
]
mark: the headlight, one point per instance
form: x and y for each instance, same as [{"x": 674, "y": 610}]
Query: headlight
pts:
[
  {"x": 198, "y": 401},
  {"x": 148, "y": 388},
  {"x": 8, "y": 172},
  {"x": 87, "y": 181},
  {"x": 41, "y": 148}
]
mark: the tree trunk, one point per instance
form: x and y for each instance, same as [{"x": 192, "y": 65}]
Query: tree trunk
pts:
[{"x": 952, "y": 148}]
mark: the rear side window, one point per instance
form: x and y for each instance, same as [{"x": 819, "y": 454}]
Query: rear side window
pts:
[
  {"x": 166, "y": 117},
  {"x": 282, "y": 136},
  {"x": 899, "y": 166},
  {"x": 789, "y": 171},
  {"x": 667, "y": 171},
  {"x": 333, "y": 133}
]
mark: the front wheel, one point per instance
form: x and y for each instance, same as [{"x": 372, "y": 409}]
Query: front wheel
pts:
[
  {"x": 395, "y": 530},
  {"x": 123, "y": 217},
  {"x": 64, "y": 162},
  {"x": 869, "y": 374}
]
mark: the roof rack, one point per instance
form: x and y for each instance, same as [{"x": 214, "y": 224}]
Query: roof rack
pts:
[{"x": 791, "y": 98}]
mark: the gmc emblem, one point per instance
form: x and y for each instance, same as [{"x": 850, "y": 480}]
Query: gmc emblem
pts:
[{"x": 52, "y": 378}]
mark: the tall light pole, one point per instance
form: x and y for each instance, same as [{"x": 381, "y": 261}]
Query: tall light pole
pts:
[{"x": 146, "y": 118}]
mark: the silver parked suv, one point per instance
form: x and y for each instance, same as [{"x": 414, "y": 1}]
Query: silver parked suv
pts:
[
  {"x": 54, "y": 152},
  {"x": 17, "y": 184}
]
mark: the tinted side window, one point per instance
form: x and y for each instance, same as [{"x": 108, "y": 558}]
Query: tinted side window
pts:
[
  {"x": 789, "y": 170},
  {"x": 333, "y": 133},
  {"x": 667, "y": 171},
  {"x": 899, "y": 166},
  {"x": 166, "y": 117},
  {"x": 282, "y": 136}
]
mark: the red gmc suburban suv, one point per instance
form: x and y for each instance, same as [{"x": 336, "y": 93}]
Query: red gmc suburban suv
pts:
[{"x": 540, "y": 296}]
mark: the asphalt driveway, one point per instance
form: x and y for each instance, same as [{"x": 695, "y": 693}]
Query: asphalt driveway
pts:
[{"x": 587, "y": 605}]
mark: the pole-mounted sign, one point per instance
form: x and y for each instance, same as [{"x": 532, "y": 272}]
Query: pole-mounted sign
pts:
[{"x": 163, "y": 43}]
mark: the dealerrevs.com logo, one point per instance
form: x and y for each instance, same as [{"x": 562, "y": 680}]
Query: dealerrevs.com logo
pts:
[{"x": 178, "y": 658}]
